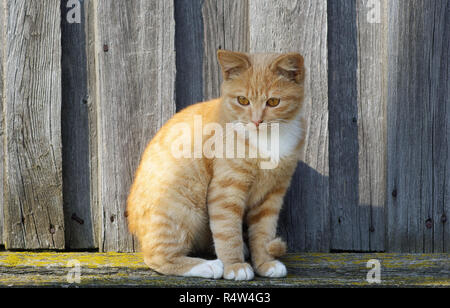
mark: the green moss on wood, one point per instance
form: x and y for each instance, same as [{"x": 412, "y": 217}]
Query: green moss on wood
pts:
[{"x": 305, "y": 270}]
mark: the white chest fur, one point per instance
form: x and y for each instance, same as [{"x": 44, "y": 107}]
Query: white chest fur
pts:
[
  {"x": 273, "y": 141},
  {"x": 290, "y": 135}
]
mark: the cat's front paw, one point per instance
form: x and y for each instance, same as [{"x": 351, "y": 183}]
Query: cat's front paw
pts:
[
  {"x": 238, "y": 271},
  {"x": 209, "y": 269},
  {"x": 272, "y": 269}
]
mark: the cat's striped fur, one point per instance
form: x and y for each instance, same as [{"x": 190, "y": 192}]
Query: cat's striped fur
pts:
[{"x": 174, "y": 204}]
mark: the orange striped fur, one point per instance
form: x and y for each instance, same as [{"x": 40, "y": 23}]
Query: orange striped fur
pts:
[{"x": 180, "y": 206}]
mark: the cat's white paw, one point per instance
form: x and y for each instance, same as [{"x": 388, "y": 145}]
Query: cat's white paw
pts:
[
  {"x": 273, "y": 269},
  {"x": 238, "y": 271},
  {"x": 208, "y": 269}
]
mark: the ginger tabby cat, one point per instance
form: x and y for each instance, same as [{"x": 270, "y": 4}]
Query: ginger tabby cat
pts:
[{"x": 180, "y": 206}]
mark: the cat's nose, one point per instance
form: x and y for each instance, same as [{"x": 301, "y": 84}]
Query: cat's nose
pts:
[{"x": 257, "y": 122}]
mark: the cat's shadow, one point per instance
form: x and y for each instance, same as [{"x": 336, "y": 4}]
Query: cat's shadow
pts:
[
  {"x": 323, "y": 214},
  {"x": 303, "y": 221}
]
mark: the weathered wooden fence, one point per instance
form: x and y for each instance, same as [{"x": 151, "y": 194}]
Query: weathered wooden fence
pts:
[{"x": 81, "y": 99}]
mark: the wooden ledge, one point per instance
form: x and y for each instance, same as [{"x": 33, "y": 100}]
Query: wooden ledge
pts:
[{"x": 50, "y": 269}]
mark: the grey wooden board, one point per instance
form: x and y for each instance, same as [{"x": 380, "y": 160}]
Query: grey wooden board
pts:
[
  {"x": 78, "y": 218},
  {"x": 440, "y": 98},
  {"x": 189, "y": 52},
  {"x": 346, "y": 233},
  {"x": 34, "y": 208},
  {"x": 418, "y": 126},
  {"x": 2, "y": 43},
  {"x": 136, "y": 83},
  {"x": 225, "y": 27},
  {"x": 301, "y": 26},
  {"x": 89, "y": 9},
  {"x": 372, "y": 90}
]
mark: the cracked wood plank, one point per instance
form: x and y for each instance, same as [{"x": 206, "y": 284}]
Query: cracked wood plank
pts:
[
  {"x": 304, "y": 270},
  {"x": 358, "y": 74},
  {"x": 2, "y": 153},
  {"x": 358, "y": 125},
  {"x": 32, "y": 78},
  {"x": 135, "y": 67},
  {"x": 372, "y": 137},
  {"x": 418, "y": 200},
  {"x": 80, "y": 215},
  {"x": 343, "y": 126}
]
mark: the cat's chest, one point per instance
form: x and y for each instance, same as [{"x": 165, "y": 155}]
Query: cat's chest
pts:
[
  {"x": 274, "y": 142},
  {"x": 266, "y": 181},
  {"x": 263, "y": 183}
]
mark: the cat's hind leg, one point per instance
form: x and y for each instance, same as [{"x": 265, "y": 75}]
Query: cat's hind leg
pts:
[
  {"x": 186, "y": 266},
  {"x": 170, "y": 238}
]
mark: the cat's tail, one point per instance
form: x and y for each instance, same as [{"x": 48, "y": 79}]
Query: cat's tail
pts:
[{"x": 276, "y": 248}]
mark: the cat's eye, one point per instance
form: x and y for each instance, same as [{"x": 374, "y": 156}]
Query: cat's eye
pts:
[
  {"x": 243, "y": 101},
  {"x": 273, "y": 102}
]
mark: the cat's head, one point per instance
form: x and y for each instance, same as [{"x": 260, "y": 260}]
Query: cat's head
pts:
[{"x": 262, "y": 88}]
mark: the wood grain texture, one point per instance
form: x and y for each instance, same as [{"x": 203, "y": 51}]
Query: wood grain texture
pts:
[
  {"x": 301, "y": 26},
  {"x": 189, "y": 52},
  {"x": 372, "y": 91},
  {"x": 225, "y": 27},
  {"x": 440, "y": 97},
  {"x": 2, "y": 153},
  {"x": 78, "y": 218},
  {"x": 24, "y": 269},
  {"x": 33, "y": 191},
  {"x": 418, "y": 126},
  {"x": 89, "y": 9},
  {"x": 136, "y": 82},
  {"x": 343, "y": 126}
]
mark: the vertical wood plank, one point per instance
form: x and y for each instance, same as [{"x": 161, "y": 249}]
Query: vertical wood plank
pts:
[
  {"x": 372, "y": 90},
  {"x": 34, "y": 208},
  {"x": 418, "y": 126},
  {"x": 2, "y": 44},
  {"x": 440, "y": 98},
  {"x": 225, "y": 27},
  {"x": 78, "y": 218},
  {"x": 89, "y": 8},
  {"x": 357, "y": 87},
  {"x": 136, "y": 82},
  {"x": 189, "y": 52},
  {"x": 343, "y": 126},
  {"x": 301, "y": 26},
  {"x": 202, "y": 28}
]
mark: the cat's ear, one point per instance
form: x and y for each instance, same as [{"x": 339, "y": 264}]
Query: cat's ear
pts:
[
  {"x": 291, "y": 66},
  {"x": 233, "y": 63}
]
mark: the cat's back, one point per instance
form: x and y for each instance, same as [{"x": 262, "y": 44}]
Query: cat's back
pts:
[
  {"x": 187, "y": 116},
  {"x": 207, "y": 110}
]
